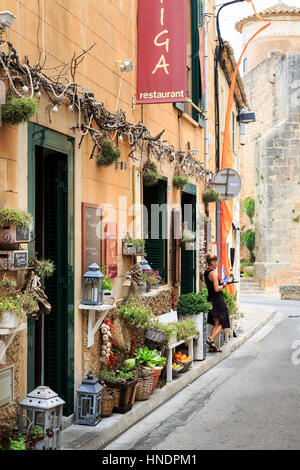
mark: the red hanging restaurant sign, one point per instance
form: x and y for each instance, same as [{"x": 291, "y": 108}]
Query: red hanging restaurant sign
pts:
[{"x": 162, "y": 51}]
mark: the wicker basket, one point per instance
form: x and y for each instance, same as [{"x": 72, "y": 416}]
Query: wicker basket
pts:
[
  {"x": 123, "y": 395},
  {"x": 176, "y": 371},
  {"x": 107, "y": 403},
  {"x": 144, "y": 388},
  {"x": 156, "y": 374}
]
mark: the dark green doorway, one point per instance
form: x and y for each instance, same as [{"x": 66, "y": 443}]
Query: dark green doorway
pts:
[
  {"x": 51, "y": 343},
  {"x": 188, "y": 256}
]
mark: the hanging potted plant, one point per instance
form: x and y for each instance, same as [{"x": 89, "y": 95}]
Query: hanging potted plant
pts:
[
  {"x": 133, "y": 246},
  {"x": 179, "y": 181},
  {"x": 108, "y": 293},
  {"x": 14, "y": 226},
  {"x": 108, "y": 153},
  {"x": 14, "y": 305},
  {"x": 188, "y": 238},
  {"x": 211, "y": 195},
  {"x": 150, "y": 174},
  {"x": 19, "y": 110}
]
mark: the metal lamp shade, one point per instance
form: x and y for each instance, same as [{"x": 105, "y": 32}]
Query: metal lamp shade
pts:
[
  {"x": 145, "y": 265},
  {"x": 93, "y": 286},
  {"x": 43, "y": 408},
  {"x": 88, "y": 402}
]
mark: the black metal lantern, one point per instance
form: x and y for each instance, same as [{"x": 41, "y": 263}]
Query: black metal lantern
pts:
[
  {"x": 88, "y": 401},
  {"x": 93, "y": 286}
]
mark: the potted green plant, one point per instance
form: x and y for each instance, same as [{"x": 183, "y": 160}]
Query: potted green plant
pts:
[
  {"x": 19, "y": 110},
  {"x": 211, "y": 195},
  {"x": 133, "y": 246},
  {"x": 186, "y": 329},
  {"x": 136, "y": 313},
  {"x": 14, "y": 305},
  {"x": 108, "y": 153},
  {"x": 153, "y": 360},
  {"x": 170, "y": 330},
  {"x": 188, "y": 237},
  {"x": 194, "y": 307},
  {"x": 14, "y": 226},
  {"x": 108, "y": 293},
  {"x": 150, "y": 174},
  {"x": 179, "y": 181},
  {"x": 122, "y": 384}
]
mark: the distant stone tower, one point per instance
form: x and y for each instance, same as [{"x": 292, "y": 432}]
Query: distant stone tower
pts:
[{"x": 270, "y": 156}]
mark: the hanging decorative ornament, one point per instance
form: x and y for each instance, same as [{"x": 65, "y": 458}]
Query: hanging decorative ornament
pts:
[{"x": 25, "y": 88}]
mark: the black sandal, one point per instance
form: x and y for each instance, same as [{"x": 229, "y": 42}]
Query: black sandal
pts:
[{"x": 212, "y": 346}]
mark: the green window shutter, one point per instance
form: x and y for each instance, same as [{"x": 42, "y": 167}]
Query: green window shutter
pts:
[
  {"x": 197, "y": 22},
  {"x": 155, "y": 227}
]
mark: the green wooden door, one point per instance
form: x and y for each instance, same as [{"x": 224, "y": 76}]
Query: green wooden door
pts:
[
  {"x": 188, "y": 257},
  {"x": 50, "y": 189},
  {"x": 155, "y": 227}
]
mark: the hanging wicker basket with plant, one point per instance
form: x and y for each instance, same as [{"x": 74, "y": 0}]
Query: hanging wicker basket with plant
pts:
[
  {"x": 211, "y": 195},
  {"x": 150, "y": 174},
  {"x": 108, "y": 154},
  {"x": 179, "y": 181},
  {"x": 19, "y": 110}
]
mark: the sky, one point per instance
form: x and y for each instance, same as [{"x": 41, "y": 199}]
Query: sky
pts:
[{"x": 233, "y": 13}]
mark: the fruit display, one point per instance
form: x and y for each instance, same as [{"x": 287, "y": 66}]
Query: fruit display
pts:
[
  {"x": 176, "y": 366},
  {"x": 180, "y": 357}
]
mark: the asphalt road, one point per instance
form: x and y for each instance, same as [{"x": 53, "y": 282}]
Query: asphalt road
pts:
[{"x": 249, "y": 401}]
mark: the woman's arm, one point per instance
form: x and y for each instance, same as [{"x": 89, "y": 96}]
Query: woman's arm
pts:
[{"x": 214, "y": 278}]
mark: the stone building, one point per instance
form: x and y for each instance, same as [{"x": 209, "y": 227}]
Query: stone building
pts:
[{"x": 270, "y": 154}]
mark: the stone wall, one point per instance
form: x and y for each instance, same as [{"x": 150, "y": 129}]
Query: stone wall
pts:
[{"x": 275, "y": 99}]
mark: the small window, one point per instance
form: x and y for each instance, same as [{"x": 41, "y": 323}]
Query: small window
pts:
[{"x": 245, "y": 66}]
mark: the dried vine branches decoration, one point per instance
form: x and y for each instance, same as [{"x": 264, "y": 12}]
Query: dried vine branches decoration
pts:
[{"x": 90, "y": 111}]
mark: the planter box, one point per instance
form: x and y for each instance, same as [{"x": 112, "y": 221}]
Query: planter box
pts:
[
  {"x": 10, "y": 234},
  {"x": 201, "y": 324},
  {"x": 108, "y": 297},
  {"x": 9, "y": 320},
  {"x": 13, "y": 260},
  {"x": 130, "y": 250}
]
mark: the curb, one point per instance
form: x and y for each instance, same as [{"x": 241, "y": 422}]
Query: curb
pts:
[{"x": 77, "y": 437}]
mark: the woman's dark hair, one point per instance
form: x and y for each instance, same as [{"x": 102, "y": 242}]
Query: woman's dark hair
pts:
[{"x": 210, "y": 258}]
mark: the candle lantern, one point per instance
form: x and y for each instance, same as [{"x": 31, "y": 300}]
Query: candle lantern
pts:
[
  {"x": 88, "y": 401},
  {"x": 93, "y": 286},
  {"x": 43, "y": 408}
]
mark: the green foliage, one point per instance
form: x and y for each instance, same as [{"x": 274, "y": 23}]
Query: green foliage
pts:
[
  {"x": 14, "y": 301},
  {"x": 138, "y": 243},
  {"x": 108, "y": 375},
  {"x": 248, "y": 207},
  {"x": 19, "y": 110},
  {"x": 45, "y": 268},
  {"x": 136, "y": 313},
  {"x": 129, "y": 364},
  {"x": 186, "y": 329},
  {"x": 17, "y": 444},
  {"x": 211, "y": 195},
  {"x": 230, "y": 303},
  {"x": 190, "y": 304},
  {"x": 169, "y": 328},
  {"x": 150, "y": 358},
  {"x": 16, "y": 217},
  {"x": 108, "y": 153},
  {"x": 179, "y": 181},
  {"x": 37, "y": 431},
  {"x": 107, "y": 284},
  {"x": 248, "y": 240},
  {"x": 150, "y": 174}
]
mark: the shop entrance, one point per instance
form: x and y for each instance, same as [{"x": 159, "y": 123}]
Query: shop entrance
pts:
[
  {"x": 50, "y": 345},
  {"x": 188, "y": 256}
]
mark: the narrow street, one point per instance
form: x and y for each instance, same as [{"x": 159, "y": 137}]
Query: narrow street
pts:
[{"x": 250, "y": 401}]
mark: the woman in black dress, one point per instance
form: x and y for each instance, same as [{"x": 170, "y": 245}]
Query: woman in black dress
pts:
[{"x": 218, "y": 316}]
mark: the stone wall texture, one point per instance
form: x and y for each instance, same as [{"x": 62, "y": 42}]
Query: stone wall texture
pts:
[{"x": 271, "y": 167}]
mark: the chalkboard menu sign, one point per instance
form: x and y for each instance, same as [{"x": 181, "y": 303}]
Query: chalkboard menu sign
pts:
[
  {"x": 20, "y": 259},
  {"x": 91, "y": 235}
]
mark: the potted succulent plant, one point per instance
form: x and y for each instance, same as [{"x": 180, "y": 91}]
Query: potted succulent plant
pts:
[
  {"x": 108, "y": 293},
  {"x": 170, "y": 330},
  {"x": 133, "y": 246}
]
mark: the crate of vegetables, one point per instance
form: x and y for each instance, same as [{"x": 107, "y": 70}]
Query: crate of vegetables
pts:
[{"x": 184, "y": 360}]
